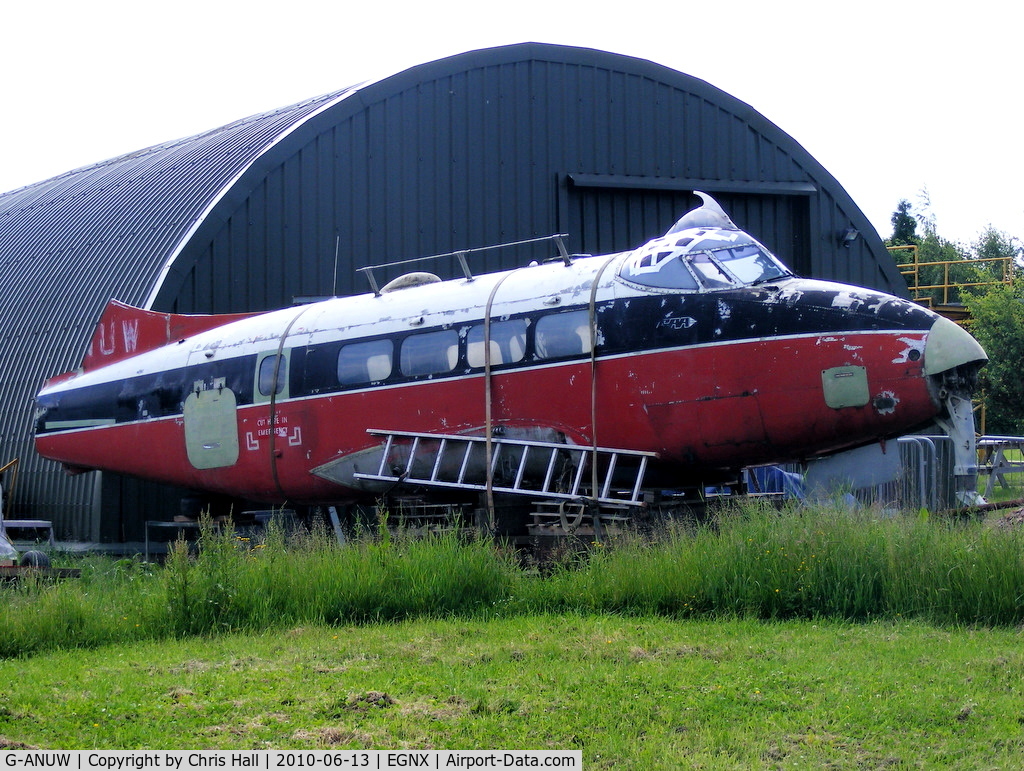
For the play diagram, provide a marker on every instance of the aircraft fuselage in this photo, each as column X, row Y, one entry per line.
column 711, row 377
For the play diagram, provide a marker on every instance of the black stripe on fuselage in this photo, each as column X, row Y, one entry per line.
column 155, row 395
column 624, row 326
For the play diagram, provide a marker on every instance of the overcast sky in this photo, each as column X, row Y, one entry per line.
column 891, row 97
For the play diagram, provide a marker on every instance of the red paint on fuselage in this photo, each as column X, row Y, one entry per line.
column 701, row 408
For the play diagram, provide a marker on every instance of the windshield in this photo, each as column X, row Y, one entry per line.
column 701, row 259
column 749, row 263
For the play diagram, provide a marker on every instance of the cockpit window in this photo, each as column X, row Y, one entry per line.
column 660, row 268
column 712, row 276
column 701, row 259
column 749, row 263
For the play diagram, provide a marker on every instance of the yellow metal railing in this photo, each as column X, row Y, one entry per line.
column 7, row 490
column 922, row 293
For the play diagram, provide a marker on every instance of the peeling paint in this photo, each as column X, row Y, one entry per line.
column 789, row 295
column 885, row 403
column 912, row 352
column 798, row 328
column 847, row 301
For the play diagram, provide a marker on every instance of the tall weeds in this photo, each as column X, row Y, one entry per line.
column 234, row 584
column 753, row 561
column 805, row 563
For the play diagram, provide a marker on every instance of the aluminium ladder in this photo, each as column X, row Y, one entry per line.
column 449, row 461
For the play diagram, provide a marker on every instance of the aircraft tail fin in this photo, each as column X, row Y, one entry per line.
column 124, row 331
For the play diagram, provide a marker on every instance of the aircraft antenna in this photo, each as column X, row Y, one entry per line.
column 337, row 244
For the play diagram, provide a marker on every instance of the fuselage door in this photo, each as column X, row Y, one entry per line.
column 271, row 386
column 211, row 429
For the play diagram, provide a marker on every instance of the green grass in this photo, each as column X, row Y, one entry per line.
column 807, row 564
column 1011, row 487
column 631, row 693
column 752, row 562
column 807, row 638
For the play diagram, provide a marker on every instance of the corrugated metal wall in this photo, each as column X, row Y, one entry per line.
column 490, row 146
column 67, row 246
column 509, row 144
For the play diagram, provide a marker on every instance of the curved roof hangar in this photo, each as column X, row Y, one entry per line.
column 484, row 147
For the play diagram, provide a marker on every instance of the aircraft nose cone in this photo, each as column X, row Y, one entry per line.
column 950, row 346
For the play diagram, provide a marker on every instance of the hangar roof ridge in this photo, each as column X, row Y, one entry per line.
column 70, row 243
column 171, row 144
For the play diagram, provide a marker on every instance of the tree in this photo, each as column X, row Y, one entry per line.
column 925, row 216
column 999, row 247
column 904, row 225
column 952, row 270
column 996, row 305
column 997, row 322
column 948, row 264
column 930, row 249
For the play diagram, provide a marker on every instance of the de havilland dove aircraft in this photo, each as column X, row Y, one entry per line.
column 695, row 355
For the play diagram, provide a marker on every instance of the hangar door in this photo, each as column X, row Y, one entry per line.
column 602, row 219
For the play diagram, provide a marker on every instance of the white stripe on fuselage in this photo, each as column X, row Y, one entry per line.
column 348, row 318
column 456, row 302
column 68, row 427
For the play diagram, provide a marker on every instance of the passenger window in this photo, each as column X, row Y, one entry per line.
column 367, row 362
column 266, row 382
column 508, row 343
column 563, row 334
column 430, row 353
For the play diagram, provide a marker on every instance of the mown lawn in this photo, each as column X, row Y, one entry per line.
column 804, row 638
column 631, row 692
